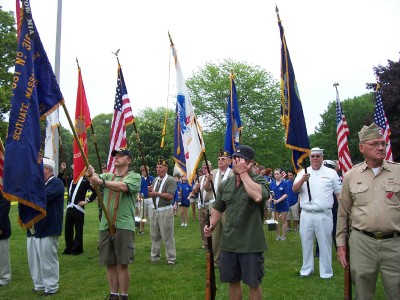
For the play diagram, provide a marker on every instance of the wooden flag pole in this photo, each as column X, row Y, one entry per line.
column 96, row 188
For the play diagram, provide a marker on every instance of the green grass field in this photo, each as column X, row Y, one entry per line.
column 81, row 277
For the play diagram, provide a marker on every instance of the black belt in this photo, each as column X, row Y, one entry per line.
column 379, row 235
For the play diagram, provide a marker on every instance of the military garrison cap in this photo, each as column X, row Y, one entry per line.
column 370, row 132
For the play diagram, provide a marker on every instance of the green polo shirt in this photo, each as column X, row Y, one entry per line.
column 243, row 230
column 125, row 218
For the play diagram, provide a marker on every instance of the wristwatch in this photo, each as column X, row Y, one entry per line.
column 104, row 183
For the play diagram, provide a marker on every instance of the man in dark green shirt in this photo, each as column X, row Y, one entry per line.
column 243, row 242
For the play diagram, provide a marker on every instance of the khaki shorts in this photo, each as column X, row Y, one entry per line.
column 294, row 212
column 117, row 249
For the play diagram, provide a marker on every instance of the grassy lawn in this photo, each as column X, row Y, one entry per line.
column 82, row 278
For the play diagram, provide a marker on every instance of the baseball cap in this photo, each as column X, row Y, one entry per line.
column 122, row 151
column 245, row 152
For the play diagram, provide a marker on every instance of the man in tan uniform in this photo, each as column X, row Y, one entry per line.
column 217, row 176
column 371, row 198
column 205, row 201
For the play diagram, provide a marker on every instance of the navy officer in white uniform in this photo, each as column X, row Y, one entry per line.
column 316, row 215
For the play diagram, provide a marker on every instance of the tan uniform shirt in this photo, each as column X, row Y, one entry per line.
column 373, row 201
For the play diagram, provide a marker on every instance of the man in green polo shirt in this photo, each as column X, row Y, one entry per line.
column 243, row 197
column 117, row 242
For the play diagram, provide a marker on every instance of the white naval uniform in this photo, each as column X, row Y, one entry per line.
column 316, row 218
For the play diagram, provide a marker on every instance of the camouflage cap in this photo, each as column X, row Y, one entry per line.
column 370, row 132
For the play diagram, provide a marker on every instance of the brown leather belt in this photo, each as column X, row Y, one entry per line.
column 379, row 235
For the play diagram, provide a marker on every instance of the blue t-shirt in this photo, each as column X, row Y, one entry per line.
column 292, row 196
column 144, row 186
column 186, row 189
column 279, row 191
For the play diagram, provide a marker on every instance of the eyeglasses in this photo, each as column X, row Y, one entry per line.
column 315, row 156
column 222, row 158
column 376, row 144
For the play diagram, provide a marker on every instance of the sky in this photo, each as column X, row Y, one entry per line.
column 329, row 41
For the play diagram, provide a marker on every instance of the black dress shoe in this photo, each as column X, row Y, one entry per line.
column 66, row 253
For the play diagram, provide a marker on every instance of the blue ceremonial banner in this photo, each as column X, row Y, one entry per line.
column 291, row 108
column 233, row 123
column 179, row 153
column 35, row 94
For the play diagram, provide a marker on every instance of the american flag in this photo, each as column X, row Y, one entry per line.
column 122, row 117
column 382, row 122
column 342, row 130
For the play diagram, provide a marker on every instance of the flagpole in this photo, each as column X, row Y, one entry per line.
column 57, row 73
column 164, row 131
column 96, row 188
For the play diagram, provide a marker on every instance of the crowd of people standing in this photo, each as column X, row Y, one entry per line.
column 234, row 202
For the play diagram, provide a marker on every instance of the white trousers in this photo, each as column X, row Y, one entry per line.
column 320, row 225
column 43, row 263
column 5, row 264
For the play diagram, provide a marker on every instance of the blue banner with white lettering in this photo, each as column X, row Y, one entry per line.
column 36, row 93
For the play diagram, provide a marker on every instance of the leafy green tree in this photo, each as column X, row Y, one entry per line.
column 149, row 124
column 8, row 46
column 259, row 105
column 101, row 127
column 389, row 78
column 65, row 152
column 357, row 111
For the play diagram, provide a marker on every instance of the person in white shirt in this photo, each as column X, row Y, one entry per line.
column 316, row 215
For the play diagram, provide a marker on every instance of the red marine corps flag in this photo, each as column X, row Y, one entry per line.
column 82, row 123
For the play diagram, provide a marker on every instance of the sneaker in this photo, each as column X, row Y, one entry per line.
column 283, row 238
column 171, row 263
column 278, row 238
column 112, row 297
column 141, row 232
column 185, row 225
column 182, row 224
